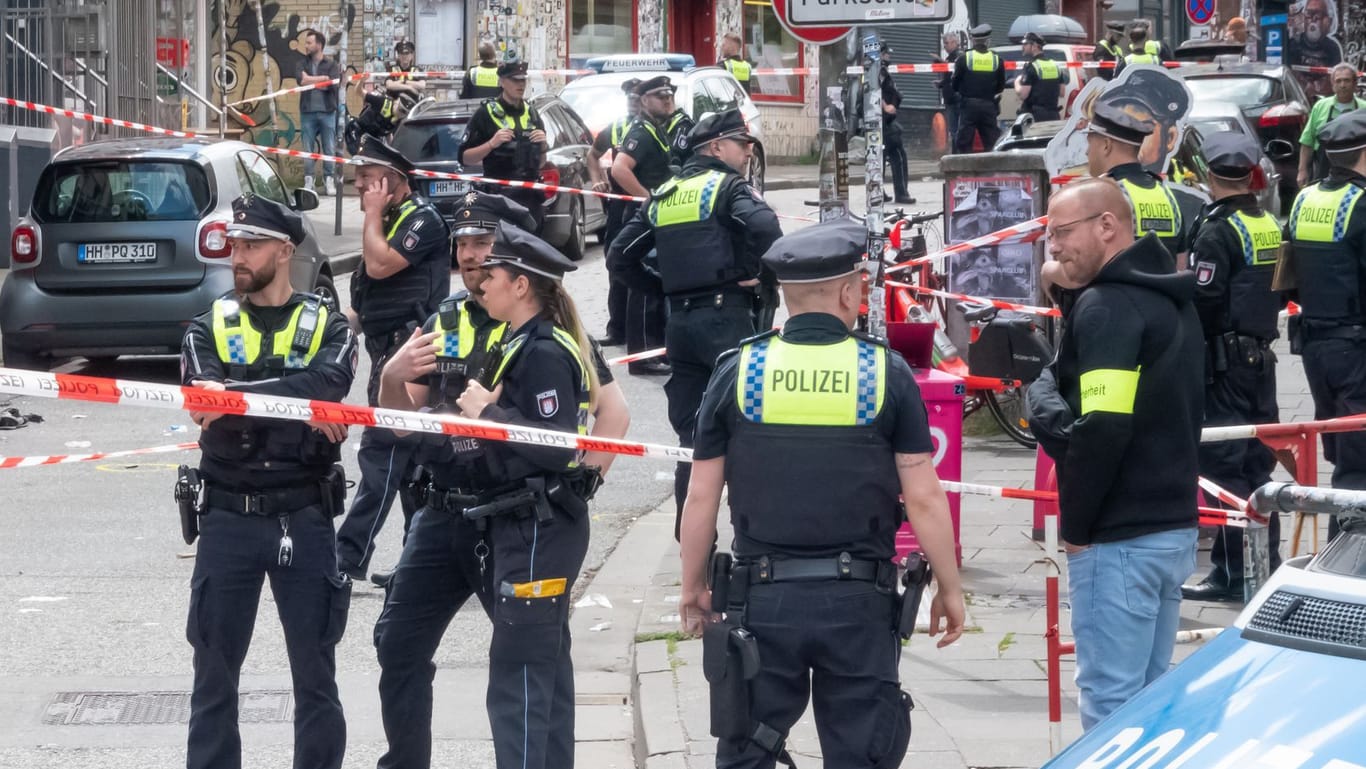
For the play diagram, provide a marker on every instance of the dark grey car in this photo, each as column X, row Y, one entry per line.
column 125, row 242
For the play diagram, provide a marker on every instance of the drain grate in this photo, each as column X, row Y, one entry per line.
column 150, row 708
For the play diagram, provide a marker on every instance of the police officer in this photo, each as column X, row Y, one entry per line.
column 1145, row 51
column 1040, row 85
column 642, row 164
column 1234, row 256
column 737, row 66
column 610, row 140
column 709, row 228
column 1327, row 232
column 979, row 76
column 507, row 135
column 813, row 586
column 531, row 505
column 481, row 80
column 1116, row 130
column 401, row 279
column 1108, row 49
column 401, row 70
column 270, row 489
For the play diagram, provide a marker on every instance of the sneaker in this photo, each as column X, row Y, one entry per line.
column 382, row 578
column 308, row 183
column 330, row 186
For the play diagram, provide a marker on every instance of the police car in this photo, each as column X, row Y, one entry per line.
column 598, row 99
column 1281, row 688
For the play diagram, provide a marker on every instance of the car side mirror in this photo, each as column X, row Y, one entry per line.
column 1280, row 149
column 305, row 200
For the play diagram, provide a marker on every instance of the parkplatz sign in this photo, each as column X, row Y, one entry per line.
column 835, row 13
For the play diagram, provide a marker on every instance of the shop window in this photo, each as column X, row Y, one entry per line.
column 769, row 46
column 600, row 28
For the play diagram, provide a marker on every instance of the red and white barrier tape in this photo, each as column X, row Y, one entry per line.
column 9, row 463
column 123, row 391
column 1222, row 494
column 942, row 67
column 658, row 352
column 1312, row 70
column 1051, row 312
column 1036, row 224
column 62, row 112
column 1209, row 516
column 456, row 74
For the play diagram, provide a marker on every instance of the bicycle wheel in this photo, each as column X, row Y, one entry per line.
column 1008, row 409
column 934, row 241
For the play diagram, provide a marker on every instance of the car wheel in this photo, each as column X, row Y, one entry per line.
column 15, row 358
column 327, row 290
column 577, row 242
column 756, row 171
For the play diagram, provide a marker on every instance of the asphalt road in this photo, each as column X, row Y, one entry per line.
column 96, row 578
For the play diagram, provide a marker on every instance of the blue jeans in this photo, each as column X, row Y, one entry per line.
column 317, row 126
column 1126, row 605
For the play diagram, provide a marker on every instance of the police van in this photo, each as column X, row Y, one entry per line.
column 598, row 99
column 1282, row 687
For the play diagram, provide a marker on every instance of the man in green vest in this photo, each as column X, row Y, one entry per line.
column 507, row 136
column 1327, row 232
column 481, row 80
column 1234, row 255
column 610, row 140
column 1040, row 85
column 1108, row 49
column 979, row 77
column 817, row 431
column 1145, row 51
column 1313, row 163
column 731, row 45
column 709, row 228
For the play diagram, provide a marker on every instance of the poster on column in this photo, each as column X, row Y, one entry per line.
column 1312, row 41
column 981, row 205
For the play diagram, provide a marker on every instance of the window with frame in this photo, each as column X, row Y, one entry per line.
column 600, row 28
column 262, row 177
column 769, row 46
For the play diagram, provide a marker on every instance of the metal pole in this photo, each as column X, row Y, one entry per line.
column 265, row 69
column 872, row 132
column 341, row 61
column 1052, row 634
column 222, row 68
column 70, row 86
column 834, row 131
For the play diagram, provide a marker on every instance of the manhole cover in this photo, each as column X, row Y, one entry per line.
column 141, row 708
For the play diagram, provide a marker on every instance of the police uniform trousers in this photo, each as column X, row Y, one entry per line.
column 696, row 336
column 646, row 315
column 534, row 200
column 894, row 150
column 831, row 642
column 387, row 465
column 1041, row 114
column 618, row 211
column 531, row 675
column 236, row 554
column 437, row 573
column 1336, row 370
column 977, row 116
column 1244, row 394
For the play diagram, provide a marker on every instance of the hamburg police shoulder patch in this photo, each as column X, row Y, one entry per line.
column 548, row 403
column 1204, row 273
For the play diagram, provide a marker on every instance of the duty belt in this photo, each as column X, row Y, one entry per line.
column 1320, row 330
column 275, row 502
column 716, row 299
column 377, row 344
column 841, row 567
column 451, row 500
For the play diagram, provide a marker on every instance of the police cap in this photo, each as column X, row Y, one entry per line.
column 1035, row 38
column 729, row 124
column 256, row 218
column 660, row 83
column 1163, row 93
column 819, row 252
column 1344, row 134
column 1115, row 26
column 375, row 151
column 1231, row 155
column 516, row 248
column 1118, row 121
column 980, row 31
column 513, row 69
column 628, row 87
column 480, row 213
column 404, row 46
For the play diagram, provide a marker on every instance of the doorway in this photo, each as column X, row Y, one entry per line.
column 692, row 29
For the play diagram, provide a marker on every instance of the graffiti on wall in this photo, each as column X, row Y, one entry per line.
column 1312, row 41
column 240, row 71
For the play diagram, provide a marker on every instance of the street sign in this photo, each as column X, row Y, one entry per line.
column 827, row 13
column 812, row 35
column 1199, row 11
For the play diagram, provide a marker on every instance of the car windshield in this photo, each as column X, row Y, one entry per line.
column 598, row 105
column 122, row 191
column 1248, row 91
column 1209, row 126
column 426, row 141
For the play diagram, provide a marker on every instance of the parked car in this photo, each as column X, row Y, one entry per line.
column 1063, row 52
column 431, row 137
column 125, row 242
column 1268, row 94
column 1212, row 117
column 598, row 98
